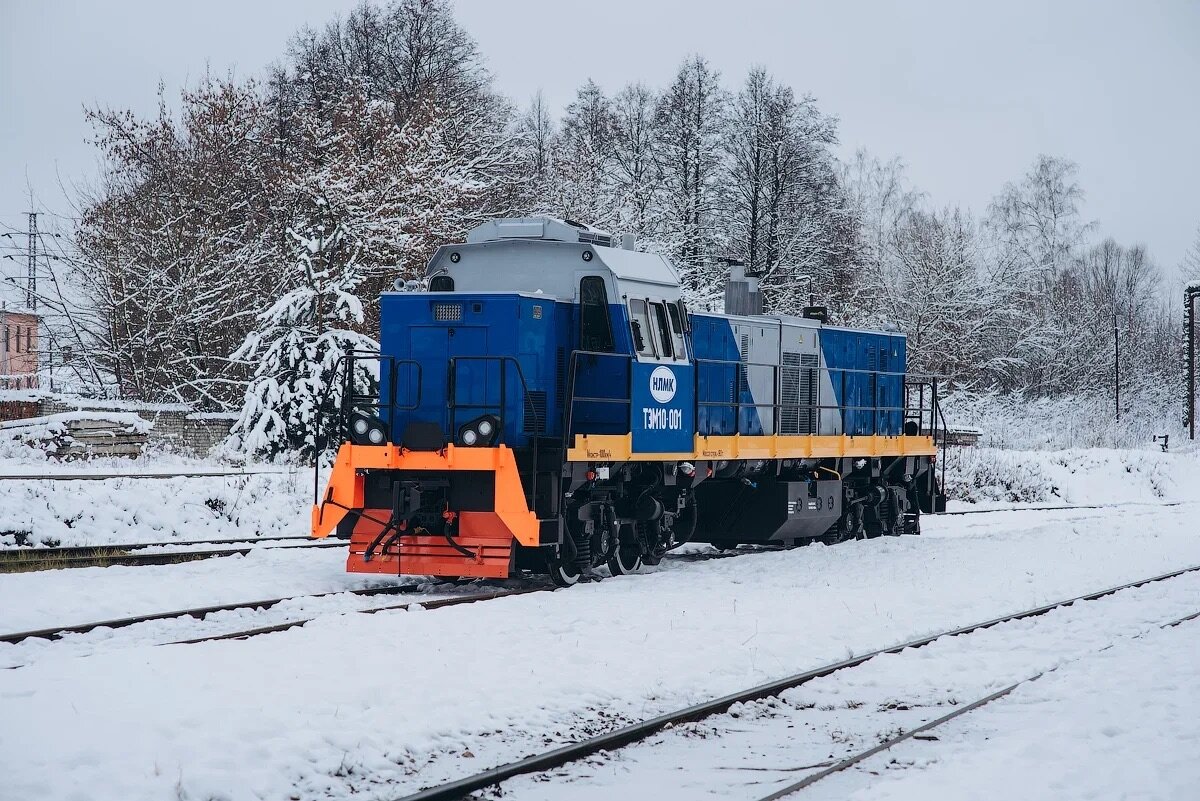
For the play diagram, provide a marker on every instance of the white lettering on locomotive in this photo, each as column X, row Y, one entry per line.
column 662, row 384
column 656, row 419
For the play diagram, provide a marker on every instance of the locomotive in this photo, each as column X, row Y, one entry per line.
column 546, row 403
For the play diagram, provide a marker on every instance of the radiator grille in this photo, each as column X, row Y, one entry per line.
column 535, row 412
column 560, row 386
column 447, row 312
column 798, row 376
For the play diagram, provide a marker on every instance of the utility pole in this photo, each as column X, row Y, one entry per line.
column 31, row 280
column 1189, row 403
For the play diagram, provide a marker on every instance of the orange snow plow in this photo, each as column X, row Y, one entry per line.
column 452, row 512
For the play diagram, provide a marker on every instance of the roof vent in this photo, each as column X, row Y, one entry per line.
column 538, row 228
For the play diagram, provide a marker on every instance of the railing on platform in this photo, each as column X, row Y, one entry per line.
column 918, row 404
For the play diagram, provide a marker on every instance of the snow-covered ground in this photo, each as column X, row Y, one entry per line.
column 80, row 595
column 358, row 706
column 277, row 502
column 989, row 477
column 761, row 747
column 1120, row 723
column 123, row 510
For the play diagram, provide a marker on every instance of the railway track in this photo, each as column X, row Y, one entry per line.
column 923, row 730
column 438, row 603
column 57, row 633
column 633, row 733
column 1059, row 508
column 20, row 560
column 14, row 560
column 199, row 613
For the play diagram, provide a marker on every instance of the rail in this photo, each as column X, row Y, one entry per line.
column 622, row 736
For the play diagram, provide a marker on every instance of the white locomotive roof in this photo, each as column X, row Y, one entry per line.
column 548, row 256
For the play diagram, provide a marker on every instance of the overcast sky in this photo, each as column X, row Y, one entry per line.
column 966, row 94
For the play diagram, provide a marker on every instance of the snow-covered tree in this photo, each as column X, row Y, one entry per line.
column 782, row 199
column 635, row 172
column 298, row 343
column 689, row 119
column 582, row 189
column 1191, row 260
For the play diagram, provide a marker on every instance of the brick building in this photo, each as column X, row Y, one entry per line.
column 19, row 349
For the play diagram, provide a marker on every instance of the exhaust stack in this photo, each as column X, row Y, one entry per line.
column 741, row 292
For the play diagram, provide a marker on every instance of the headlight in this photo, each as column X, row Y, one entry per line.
column 480, row 432
column 367, row 429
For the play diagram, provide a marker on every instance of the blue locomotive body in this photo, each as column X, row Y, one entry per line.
column 621, row 414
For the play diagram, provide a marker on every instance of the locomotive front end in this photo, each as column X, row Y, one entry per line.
column 435, row 471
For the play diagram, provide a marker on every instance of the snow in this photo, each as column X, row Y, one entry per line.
column 82, row 595
column 1122, row 723
column 373, row 706
column 121, row 510
column 987, row 477
column 763, row 746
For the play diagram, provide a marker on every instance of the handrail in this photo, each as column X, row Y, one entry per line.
column 351, row 400
column 570, row 399
column 906, row 410
column 776, row 406
column 503, row 401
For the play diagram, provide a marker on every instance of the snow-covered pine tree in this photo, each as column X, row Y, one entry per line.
column 297, row 346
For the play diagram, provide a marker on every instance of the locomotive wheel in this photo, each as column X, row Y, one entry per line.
column 626, row 560
column 564, row 574
column 650, row 544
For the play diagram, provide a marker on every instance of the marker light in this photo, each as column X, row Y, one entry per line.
column 485, row 427
column 469, row 437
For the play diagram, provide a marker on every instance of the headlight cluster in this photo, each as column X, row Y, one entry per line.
column 481, row 431
column 367, row 429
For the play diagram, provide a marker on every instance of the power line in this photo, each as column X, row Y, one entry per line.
column 31, row 287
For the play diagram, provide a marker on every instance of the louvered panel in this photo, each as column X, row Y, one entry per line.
column 535, row 412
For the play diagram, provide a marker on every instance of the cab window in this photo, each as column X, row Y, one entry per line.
column 639, row 324
column 595, row 325
column 677, row 331
column 662, row 331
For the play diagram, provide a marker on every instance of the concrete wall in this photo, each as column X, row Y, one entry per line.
column 174, row 424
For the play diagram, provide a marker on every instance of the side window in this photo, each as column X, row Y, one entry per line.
column 595, row 324
column 677, row 331
column 639, row 324
column 662, row 331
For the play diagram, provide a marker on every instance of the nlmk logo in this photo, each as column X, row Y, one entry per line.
column 662, row 384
